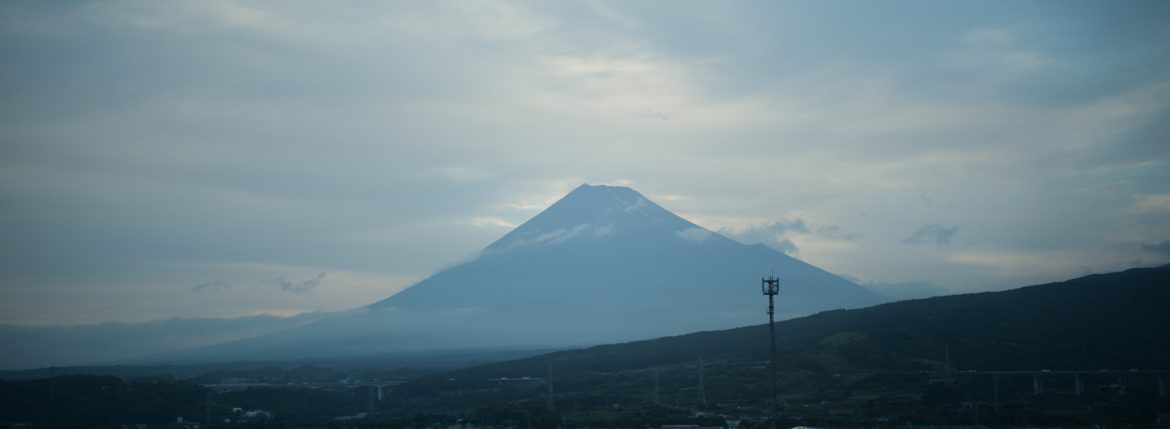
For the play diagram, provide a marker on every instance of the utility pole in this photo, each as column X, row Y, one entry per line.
column 370, row 400
column 552, row 405
column 53, row 386
column 995, row 390
column 947, row 368
column 702, row 389
column 770, row 286
column 656, row 403
column 207, row 409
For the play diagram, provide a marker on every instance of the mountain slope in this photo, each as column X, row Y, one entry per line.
column 603, row 264
column 1115, row 320
column 1112, row 321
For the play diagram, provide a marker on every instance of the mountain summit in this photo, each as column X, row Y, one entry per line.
column 592, row 211
column 603, row 264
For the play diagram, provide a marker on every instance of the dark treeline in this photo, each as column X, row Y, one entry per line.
column 97, row 401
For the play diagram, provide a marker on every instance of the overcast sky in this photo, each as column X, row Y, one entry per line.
column 217, row 159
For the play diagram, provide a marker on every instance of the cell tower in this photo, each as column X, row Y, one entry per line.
column 770, row 286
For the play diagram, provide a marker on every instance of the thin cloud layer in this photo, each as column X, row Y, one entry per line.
column 215, row 286
column 936, row 234
column 1160, row 247
column 298, row 286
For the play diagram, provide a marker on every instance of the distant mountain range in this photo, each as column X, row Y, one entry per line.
column 603, row 264
column 106, row 343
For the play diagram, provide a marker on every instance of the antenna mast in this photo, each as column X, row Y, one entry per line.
column 770, row 286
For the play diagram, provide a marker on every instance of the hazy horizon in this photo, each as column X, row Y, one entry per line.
column 218, row 159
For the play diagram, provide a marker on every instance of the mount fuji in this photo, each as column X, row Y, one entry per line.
column 603, row 264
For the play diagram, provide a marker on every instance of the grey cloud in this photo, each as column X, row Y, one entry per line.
column 797, row 225
column 1163, row 247
column 774, row 235
column 931, row 201
column 784, row 245
column 771, row 235
column 214, row 286
column 834, row 231
column 933, row 233
column 778, row 227
column 303, row 286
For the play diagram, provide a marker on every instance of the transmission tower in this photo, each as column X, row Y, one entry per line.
column 770, row 286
